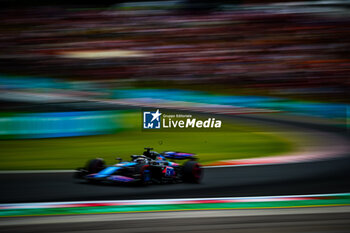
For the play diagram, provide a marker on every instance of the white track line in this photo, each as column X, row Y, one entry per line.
column 164, row 201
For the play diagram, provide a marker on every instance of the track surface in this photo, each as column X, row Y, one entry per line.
column 303, row 178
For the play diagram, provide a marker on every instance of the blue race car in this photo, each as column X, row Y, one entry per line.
column 149, row 168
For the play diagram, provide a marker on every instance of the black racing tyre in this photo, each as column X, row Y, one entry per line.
column 192, row 172
column 95, row 165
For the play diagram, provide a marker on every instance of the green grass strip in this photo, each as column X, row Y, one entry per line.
column 236, row 142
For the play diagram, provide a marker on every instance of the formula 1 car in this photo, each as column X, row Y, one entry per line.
column 149, row 168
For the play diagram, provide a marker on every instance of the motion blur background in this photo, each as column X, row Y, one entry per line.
column 75, row 76
column 79, row 68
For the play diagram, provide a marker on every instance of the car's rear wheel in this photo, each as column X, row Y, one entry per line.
column 192, row 172
column 95, row 165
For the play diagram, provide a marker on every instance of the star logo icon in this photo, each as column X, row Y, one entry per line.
column 151, row 119
column 156, row 115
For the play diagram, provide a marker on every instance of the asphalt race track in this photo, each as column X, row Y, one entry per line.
column 329, row 176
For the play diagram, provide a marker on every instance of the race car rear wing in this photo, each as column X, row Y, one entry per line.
column 178, row 155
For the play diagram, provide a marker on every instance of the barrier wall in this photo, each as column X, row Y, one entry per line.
column 59, row 124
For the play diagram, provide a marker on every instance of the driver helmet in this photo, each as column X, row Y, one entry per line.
column 141, row 160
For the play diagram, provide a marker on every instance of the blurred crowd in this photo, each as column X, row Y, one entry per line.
column 272, row 48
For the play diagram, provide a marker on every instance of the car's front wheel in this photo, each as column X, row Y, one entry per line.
column 95, row 165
